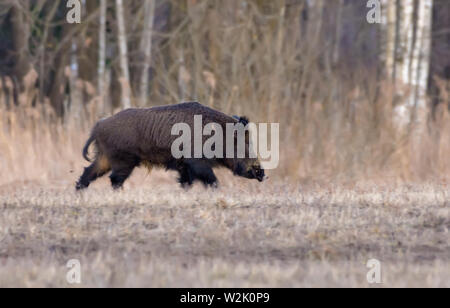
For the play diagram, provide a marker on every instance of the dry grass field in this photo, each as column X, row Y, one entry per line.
column 244, row 234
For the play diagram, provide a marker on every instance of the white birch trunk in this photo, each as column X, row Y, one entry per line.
column 421, row 54
column 404, row 32
column 125, row 79
column 407, row 25
column 389, row 25
column 147, row 49
column 408, row 53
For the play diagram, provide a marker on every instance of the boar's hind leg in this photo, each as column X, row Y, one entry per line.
column 97, row 169
column 121, row 170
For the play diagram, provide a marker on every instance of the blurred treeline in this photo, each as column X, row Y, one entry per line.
column 332, row 80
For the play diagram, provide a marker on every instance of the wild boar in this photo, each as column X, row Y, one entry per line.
column 143, row 137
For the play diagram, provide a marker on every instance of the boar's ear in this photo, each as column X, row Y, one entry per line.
column 243, row 120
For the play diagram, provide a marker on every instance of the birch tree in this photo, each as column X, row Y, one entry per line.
column 146, row 47
column 420, row 60
column 390, row 22
column 123, row 50
column 408, row 43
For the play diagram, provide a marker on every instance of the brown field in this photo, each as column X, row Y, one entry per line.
column 244, row 234
column 339, row 198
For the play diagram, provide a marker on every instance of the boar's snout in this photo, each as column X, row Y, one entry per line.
column 253, row 172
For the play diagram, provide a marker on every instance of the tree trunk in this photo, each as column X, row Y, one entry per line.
column 337, row 42
column 20, row 35
column 405, row 34
column 421, row 53
column 87, row 51
column 390, row 11
column 123, row 50
column 102, row 55
column 43, row 50
column 146, row 47
column 75, row 108
column 407, row 58
column 59, row 81
column 439, row 75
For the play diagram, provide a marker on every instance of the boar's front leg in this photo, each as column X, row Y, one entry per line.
column 186, row 177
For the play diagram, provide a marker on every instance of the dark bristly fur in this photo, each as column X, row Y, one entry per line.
column 136, row 137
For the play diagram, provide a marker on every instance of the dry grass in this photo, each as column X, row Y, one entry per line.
column 244, row 234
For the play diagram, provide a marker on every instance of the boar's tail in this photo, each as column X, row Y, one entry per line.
column 86, row 148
